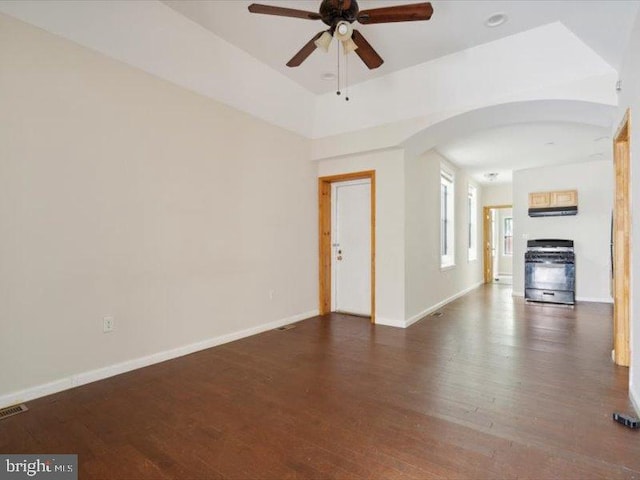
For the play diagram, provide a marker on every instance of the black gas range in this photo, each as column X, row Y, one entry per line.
column 550, row 271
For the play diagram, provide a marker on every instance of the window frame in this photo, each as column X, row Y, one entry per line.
column 447, row 219
column 505, row 236
column 472, row 223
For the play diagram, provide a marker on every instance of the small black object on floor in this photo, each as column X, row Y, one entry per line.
column 626, row 420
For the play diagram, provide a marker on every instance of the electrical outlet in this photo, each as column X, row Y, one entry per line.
column 108, row 324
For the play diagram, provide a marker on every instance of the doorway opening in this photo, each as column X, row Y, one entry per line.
column 498, row 244
column 620, row 244
column 347, row 243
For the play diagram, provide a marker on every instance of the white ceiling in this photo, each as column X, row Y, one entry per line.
column 604, row 26
column 527, row 145
column 547, row 62
column 562, row 60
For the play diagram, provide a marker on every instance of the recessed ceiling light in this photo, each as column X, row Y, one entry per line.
column 328, row 76
column 550, row 144
column 496, row 20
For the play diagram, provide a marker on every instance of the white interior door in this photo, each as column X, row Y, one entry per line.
column 351, row 247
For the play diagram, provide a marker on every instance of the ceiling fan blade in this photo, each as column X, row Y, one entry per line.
column 283, row 12
column 366, row 52
column 400, row 13
column 304, row 52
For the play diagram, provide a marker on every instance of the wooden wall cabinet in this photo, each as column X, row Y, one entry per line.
column 564, row 198
column 560, row 198
column 539, row 200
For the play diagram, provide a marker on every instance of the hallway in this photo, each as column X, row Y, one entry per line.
column 493, row 388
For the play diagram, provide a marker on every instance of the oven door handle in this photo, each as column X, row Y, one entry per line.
column 548, row 262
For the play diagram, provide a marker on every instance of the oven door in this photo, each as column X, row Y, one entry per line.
column 549, row 276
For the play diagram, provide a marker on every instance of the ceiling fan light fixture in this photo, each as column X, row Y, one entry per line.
column 344, row 30
column 324, row 41
column 349, row 46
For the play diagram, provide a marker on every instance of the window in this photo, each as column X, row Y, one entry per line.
column 447, row 258
column 507, row 244
column 472, row 209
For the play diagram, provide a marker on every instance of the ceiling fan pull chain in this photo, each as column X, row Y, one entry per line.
column 338, row 50
column 346, row 77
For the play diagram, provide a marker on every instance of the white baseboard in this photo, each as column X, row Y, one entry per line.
column 595, row 300
column 38, row 391
column 634, row 400
column 83, row 378
column 389, row 322
column 433, row 308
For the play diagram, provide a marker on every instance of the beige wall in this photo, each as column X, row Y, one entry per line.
column 497, row 195
column 427, row 285
column 124, row 195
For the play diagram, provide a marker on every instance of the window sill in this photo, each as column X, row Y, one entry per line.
column 447, row 267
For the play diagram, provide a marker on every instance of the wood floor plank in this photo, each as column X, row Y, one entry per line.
column 494, row 388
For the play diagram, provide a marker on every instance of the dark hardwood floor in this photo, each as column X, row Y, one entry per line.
column 494, row 388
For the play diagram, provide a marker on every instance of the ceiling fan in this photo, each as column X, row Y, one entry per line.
column 339, row 15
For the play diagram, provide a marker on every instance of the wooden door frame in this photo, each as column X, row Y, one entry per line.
column 324, row 236
column 486, row 241
column 621, row 242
